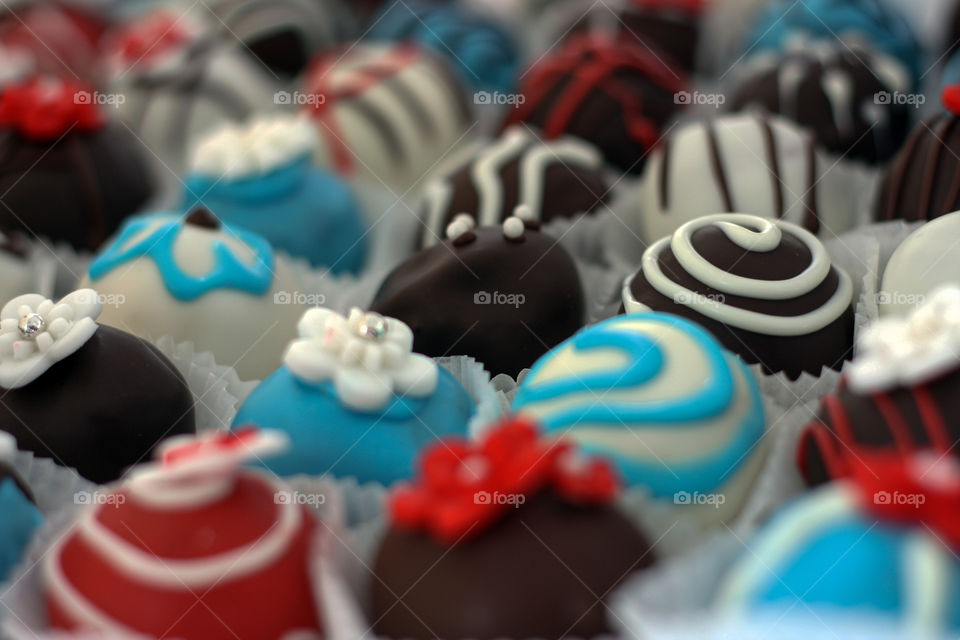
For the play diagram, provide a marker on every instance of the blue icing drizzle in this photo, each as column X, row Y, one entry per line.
column 645, row 359
column 482, row 51
column 298, row 208
column 328, row 437
column 19, row 518
column 881, row 25
column 229, row 271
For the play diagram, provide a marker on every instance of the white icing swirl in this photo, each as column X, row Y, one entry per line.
column 366, row 356
column 751, row 233
column 255, row 148
column 909, row 350
column 36, row 333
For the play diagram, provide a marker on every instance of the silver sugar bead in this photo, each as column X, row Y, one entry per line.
column 373, row 326
column 31, row 325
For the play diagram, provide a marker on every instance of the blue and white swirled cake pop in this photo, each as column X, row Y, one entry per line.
column 260, row 176
column 355, row 400
column 655, row 393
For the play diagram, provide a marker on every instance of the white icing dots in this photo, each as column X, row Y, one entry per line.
column 366, row 366
column 909, row 350
column 36, row 333
column 461, row 224
column 261, row 146
column 513, row 228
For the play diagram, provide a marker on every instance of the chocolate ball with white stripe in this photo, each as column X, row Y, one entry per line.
column 854, row 99
column 558, row 178
column 766, row 289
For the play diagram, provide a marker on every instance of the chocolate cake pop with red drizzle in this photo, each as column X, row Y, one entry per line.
column 66, row 174
column 194, row 547
column 668, row 26
column 616, row 94
column 900, row 394
column 923, row 180
column 511, row 537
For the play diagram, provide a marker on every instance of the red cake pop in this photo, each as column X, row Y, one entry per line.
column 192, row 547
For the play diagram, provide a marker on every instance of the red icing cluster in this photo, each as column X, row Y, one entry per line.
column 465, row 487
column 951, row 99
column 919, row 489
column 150, row 37
column 44, row 109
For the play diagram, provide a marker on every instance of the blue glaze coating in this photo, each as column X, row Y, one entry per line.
column 327, row 437
column 851, row 562
column 481, row 50
column 19, row 518
column 645, row 359
column 873, row 20
column 229, row 271
column 299, row 208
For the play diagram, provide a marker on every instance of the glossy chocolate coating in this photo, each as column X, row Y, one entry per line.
column 445, row 294
column 830, row 346
column 537, row 573
column 77, row 189
column 102, row 409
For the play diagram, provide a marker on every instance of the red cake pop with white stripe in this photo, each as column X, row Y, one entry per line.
column 195, row 546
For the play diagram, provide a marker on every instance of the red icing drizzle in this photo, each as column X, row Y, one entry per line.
column 465, row 487
column 151, row 37
column 951, row 99
column 229, row 441
column 44, row 109
column 591, row 62
column 320, row 83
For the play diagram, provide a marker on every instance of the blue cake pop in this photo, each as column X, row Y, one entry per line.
column 19, row 517
column 355, row 401
column 482, row 50
column 260, row 176
column 859, row 549
column 871, row 21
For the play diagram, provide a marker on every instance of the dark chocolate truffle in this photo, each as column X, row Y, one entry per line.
column 766, row 289
column 616, row 94
column 851, row 97
column 900, row 395
column 70, row 176
column 523, row 558
column 504, row 295
column 671, row 27
column 88, row 396
column 552, row 179
column 923, row 181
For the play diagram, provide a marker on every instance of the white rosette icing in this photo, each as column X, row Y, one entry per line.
column 909, row 350
column 258, row 147
column 366, row 356
column 36, row 333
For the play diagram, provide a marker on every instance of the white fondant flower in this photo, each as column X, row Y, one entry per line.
column 909, row 350
column 366, row 356
column 237, row 151
column 36, row 333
